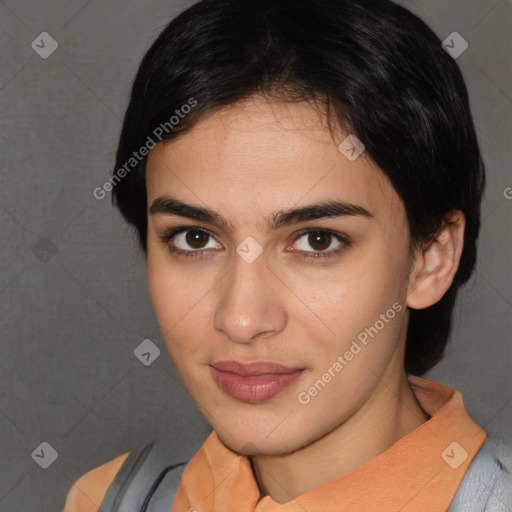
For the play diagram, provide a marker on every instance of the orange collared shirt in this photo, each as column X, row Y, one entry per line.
column 420, row 472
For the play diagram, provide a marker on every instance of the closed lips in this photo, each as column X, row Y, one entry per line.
column 253, row 369
column 253, row 382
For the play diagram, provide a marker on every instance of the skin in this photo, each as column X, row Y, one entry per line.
column 248, row 162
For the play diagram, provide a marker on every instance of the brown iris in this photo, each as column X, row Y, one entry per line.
column 319, row 240
column 196, row 239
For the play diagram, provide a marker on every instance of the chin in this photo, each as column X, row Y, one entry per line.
column 253, row 443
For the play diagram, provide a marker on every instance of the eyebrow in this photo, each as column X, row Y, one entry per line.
column 327, row 209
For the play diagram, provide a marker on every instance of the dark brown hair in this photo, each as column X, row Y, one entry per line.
column 379, row 70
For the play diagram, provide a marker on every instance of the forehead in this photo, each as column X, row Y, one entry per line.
column 258, row 153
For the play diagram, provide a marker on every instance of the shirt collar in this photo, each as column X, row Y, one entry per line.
column 421, row 471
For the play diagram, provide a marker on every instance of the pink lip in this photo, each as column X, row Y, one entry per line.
column 253, row 382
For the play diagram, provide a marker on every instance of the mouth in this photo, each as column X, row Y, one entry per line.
column 253, row 382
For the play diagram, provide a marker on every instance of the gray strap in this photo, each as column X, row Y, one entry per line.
column 487, row 485
column 147, row 470
column 163, row 497
column 125, row 475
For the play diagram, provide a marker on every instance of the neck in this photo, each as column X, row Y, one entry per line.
column 389, row 414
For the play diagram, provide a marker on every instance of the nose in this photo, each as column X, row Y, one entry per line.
column 249, row 306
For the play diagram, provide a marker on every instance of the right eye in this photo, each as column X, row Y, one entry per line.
column 188, row 241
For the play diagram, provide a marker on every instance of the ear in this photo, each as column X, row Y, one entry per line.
column 435, row 265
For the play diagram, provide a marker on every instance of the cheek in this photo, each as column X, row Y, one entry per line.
column 180, row 300
column 349, row 304
column 162, row 292
column 351, row 293
column 166, row 287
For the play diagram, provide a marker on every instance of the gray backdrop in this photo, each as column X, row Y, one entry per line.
column 73, row 298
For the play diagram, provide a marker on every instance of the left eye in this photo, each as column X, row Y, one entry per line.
column 320, row 241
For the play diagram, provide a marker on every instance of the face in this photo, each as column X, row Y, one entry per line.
column 280, row 324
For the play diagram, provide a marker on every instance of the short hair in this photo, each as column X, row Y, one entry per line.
column 380, row 72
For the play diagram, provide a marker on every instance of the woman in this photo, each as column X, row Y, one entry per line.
column 305, row 181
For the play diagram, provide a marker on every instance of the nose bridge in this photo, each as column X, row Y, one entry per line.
column 247, row 306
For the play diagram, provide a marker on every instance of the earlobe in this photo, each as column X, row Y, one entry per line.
column 435, row 266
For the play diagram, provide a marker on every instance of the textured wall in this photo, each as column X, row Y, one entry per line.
column 73, row 297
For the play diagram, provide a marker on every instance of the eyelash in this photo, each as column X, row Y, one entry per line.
column 309, row 255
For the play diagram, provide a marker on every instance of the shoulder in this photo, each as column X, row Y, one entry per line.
column 487, row 485
column 496, row 456
column 89, row 490
column 499, row 456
